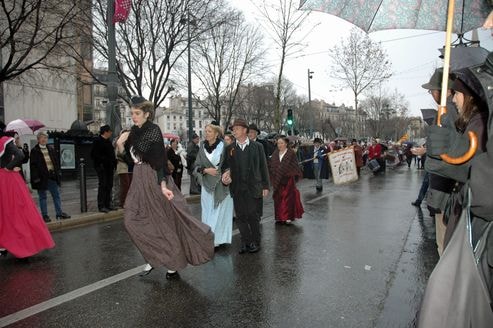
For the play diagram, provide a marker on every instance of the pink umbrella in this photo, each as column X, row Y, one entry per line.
column 24, row 126
column 170, row 136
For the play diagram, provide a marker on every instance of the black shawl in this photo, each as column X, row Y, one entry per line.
column 148, row 145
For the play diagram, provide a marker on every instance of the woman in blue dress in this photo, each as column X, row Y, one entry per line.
column 216, row 201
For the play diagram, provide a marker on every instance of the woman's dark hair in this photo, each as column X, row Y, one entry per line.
column 283, row 137
column 173, row 140
column 469, row 109
column 144, row 105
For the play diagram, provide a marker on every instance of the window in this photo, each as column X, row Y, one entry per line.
column 200, row 124
column 174, row 126
column 168, row 126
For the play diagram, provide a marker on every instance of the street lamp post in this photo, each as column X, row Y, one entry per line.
column 312, row 124
column 112, row 117
column 190, row 109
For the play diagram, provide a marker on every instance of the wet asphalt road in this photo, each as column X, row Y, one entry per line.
column 360, row 257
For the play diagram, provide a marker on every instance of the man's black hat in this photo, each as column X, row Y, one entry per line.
column 253, row 126
column 104, row 128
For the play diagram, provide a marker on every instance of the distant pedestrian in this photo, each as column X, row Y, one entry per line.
column 25, row 151
column 284, row 173
column 192, row 151
column 46, row 176
column 103, row 156
column 156, row 216
column 319, row 157
column 375, row 154
column 358, row 155
column 228, row 138
column 269, row 147
column 245, row 168
column 409, row 155
column 175, row 159
column 123, row 167
column 22, row 230
column 216, row 201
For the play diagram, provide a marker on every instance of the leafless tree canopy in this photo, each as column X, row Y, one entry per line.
column 31, row 33
column 359, row 63
column 150, row 42
column 284, row 21
column 386, row 114
column 228, row 55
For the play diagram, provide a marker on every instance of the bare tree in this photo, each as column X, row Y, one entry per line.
column 31, row 32
column 284, row 21
column 227, row 56
column 360, row 64
column 256, row 105
column 387, row 114
column 151, row 41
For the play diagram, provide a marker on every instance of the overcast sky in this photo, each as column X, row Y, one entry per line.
column 413, row 53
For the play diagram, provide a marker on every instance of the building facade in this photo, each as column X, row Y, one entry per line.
column 100, row 102
column 174, row 119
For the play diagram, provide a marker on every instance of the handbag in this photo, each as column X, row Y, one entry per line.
column 456, row 295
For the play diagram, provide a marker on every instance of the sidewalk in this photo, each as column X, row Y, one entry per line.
column 70, row 196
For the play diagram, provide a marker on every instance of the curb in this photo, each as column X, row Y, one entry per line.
column 89, row 218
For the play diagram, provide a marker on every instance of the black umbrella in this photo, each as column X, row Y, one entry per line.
column 429, row 115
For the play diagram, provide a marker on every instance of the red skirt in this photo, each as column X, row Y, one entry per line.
column 22, row 229
column 287, row 202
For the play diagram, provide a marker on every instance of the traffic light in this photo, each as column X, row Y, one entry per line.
column 290, row 119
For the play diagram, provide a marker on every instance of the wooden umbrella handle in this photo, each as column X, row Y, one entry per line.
column 473, row 146
column 473, row 143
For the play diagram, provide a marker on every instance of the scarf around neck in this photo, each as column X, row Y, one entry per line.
column 210, row 148
column 147, row 143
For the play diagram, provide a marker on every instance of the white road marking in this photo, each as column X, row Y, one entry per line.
column 51, row 303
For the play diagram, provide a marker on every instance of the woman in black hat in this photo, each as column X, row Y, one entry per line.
column 156, row 215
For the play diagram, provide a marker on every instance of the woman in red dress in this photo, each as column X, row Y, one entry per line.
column 284, row 172
column 23, row 232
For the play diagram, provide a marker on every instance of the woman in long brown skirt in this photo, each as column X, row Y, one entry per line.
column 156, row 215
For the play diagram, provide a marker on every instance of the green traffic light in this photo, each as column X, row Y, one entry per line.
column 290, row 122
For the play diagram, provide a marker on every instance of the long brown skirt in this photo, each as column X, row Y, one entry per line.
column 165, row 232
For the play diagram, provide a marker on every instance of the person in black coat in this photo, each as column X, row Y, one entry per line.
column 46, row 176
column 245, row 168
column 175, row 159
column 104, row 159
column 192, row 152
column 269, row 147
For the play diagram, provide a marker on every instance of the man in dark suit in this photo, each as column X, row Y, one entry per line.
column 104, row 159
column 269, row 147
column 46, row 176
column 245, row 168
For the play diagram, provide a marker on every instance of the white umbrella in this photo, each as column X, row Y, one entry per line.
column 24, row 126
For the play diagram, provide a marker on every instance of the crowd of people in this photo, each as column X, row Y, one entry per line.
column 234, row 171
